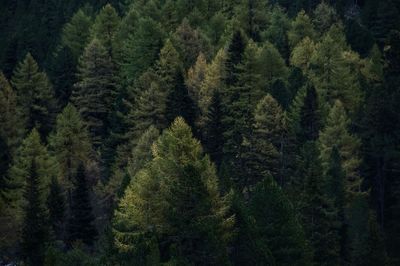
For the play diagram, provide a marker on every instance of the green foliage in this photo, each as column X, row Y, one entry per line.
column 301, row 27
column 141, row 49
column 76, row 33
column 10, row 118
column 35, row 95
column 69, row 143
column 336, row 134
column 277, row 226
column 56, row 206
column 81, row 225
column 34, row 226
column 105, row 28
column 95, row 91
column 179, row 188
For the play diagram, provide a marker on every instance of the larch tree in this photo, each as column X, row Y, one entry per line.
column 301, row 27
column 76, row 33
column 336, row 133
column 105, row 28
column 70, row 145
column 35, row 95
column 95, row 91
column 175, row 198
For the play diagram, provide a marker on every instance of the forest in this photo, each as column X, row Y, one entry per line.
column 200, row 132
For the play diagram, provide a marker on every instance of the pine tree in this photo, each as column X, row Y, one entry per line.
column 175, row 198
column 336, row 134
column 95, row 91
column 76, row 33
column 252, row 16
column 69, row 143
column 277, row 226
column 35, row 95
column 81, row 221
column 34, row 227
column 56, row 207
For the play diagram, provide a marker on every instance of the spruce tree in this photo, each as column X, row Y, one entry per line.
column 318, row 213
column 95, row 91
column 35, row 95
column 234, row 57
column 214, row 138
column 56, row 207
column 34, row 227
column 81, row 221
column 310, row 117
column 175, row 198
column 277, row 226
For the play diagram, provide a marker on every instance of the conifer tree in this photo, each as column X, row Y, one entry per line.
column 180, row 192
column 69, row 144
column 140, row 49
column 319, row 215
column 76, row 33
column 10, row 118
column 234, row 57
column 56, row 207
column 214, row 138
column 149, row 109
column 95, row 91
column 264, row 150
column 179, row 103
column 81, row 221
column 105, row 28
column 189, row 43
column 277, row 226
column 30, row 150
column 34, row 227
column 335, row 190
column 310, row 118
column 336, row 134
column 35, row 95
column 301, row 27
column 324, row 17
column 272, row 65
